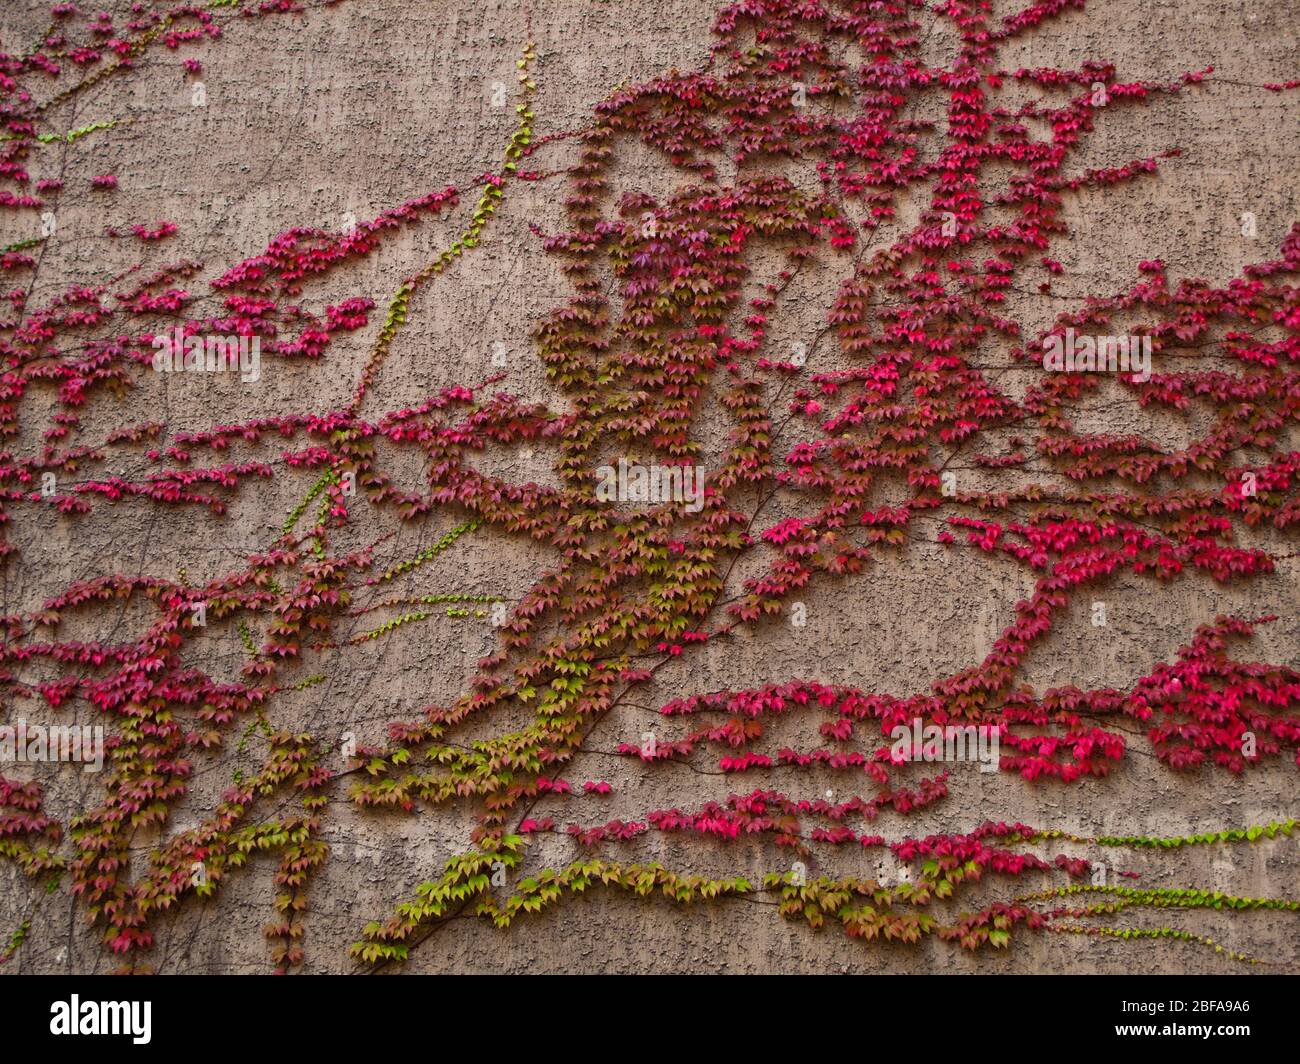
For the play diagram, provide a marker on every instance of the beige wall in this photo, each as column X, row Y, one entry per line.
column 360, row 106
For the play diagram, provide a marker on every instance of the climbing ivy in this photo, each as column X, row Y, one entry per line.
column 904, row 431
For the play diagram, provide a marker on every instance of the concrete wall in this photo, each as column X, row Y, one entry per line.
column 356, row 107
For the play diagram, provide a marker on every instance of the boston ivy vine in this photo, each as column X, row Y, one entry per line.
column 907, row 388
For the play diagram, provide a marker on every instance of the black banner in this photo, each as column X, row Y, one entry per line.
column 150, row 1014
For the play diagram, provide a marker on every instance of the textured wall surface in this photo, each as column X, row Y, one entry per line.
column 349, row 109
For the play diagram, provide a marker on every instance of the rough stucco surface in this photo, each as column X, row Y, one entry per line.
column 302, row 126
